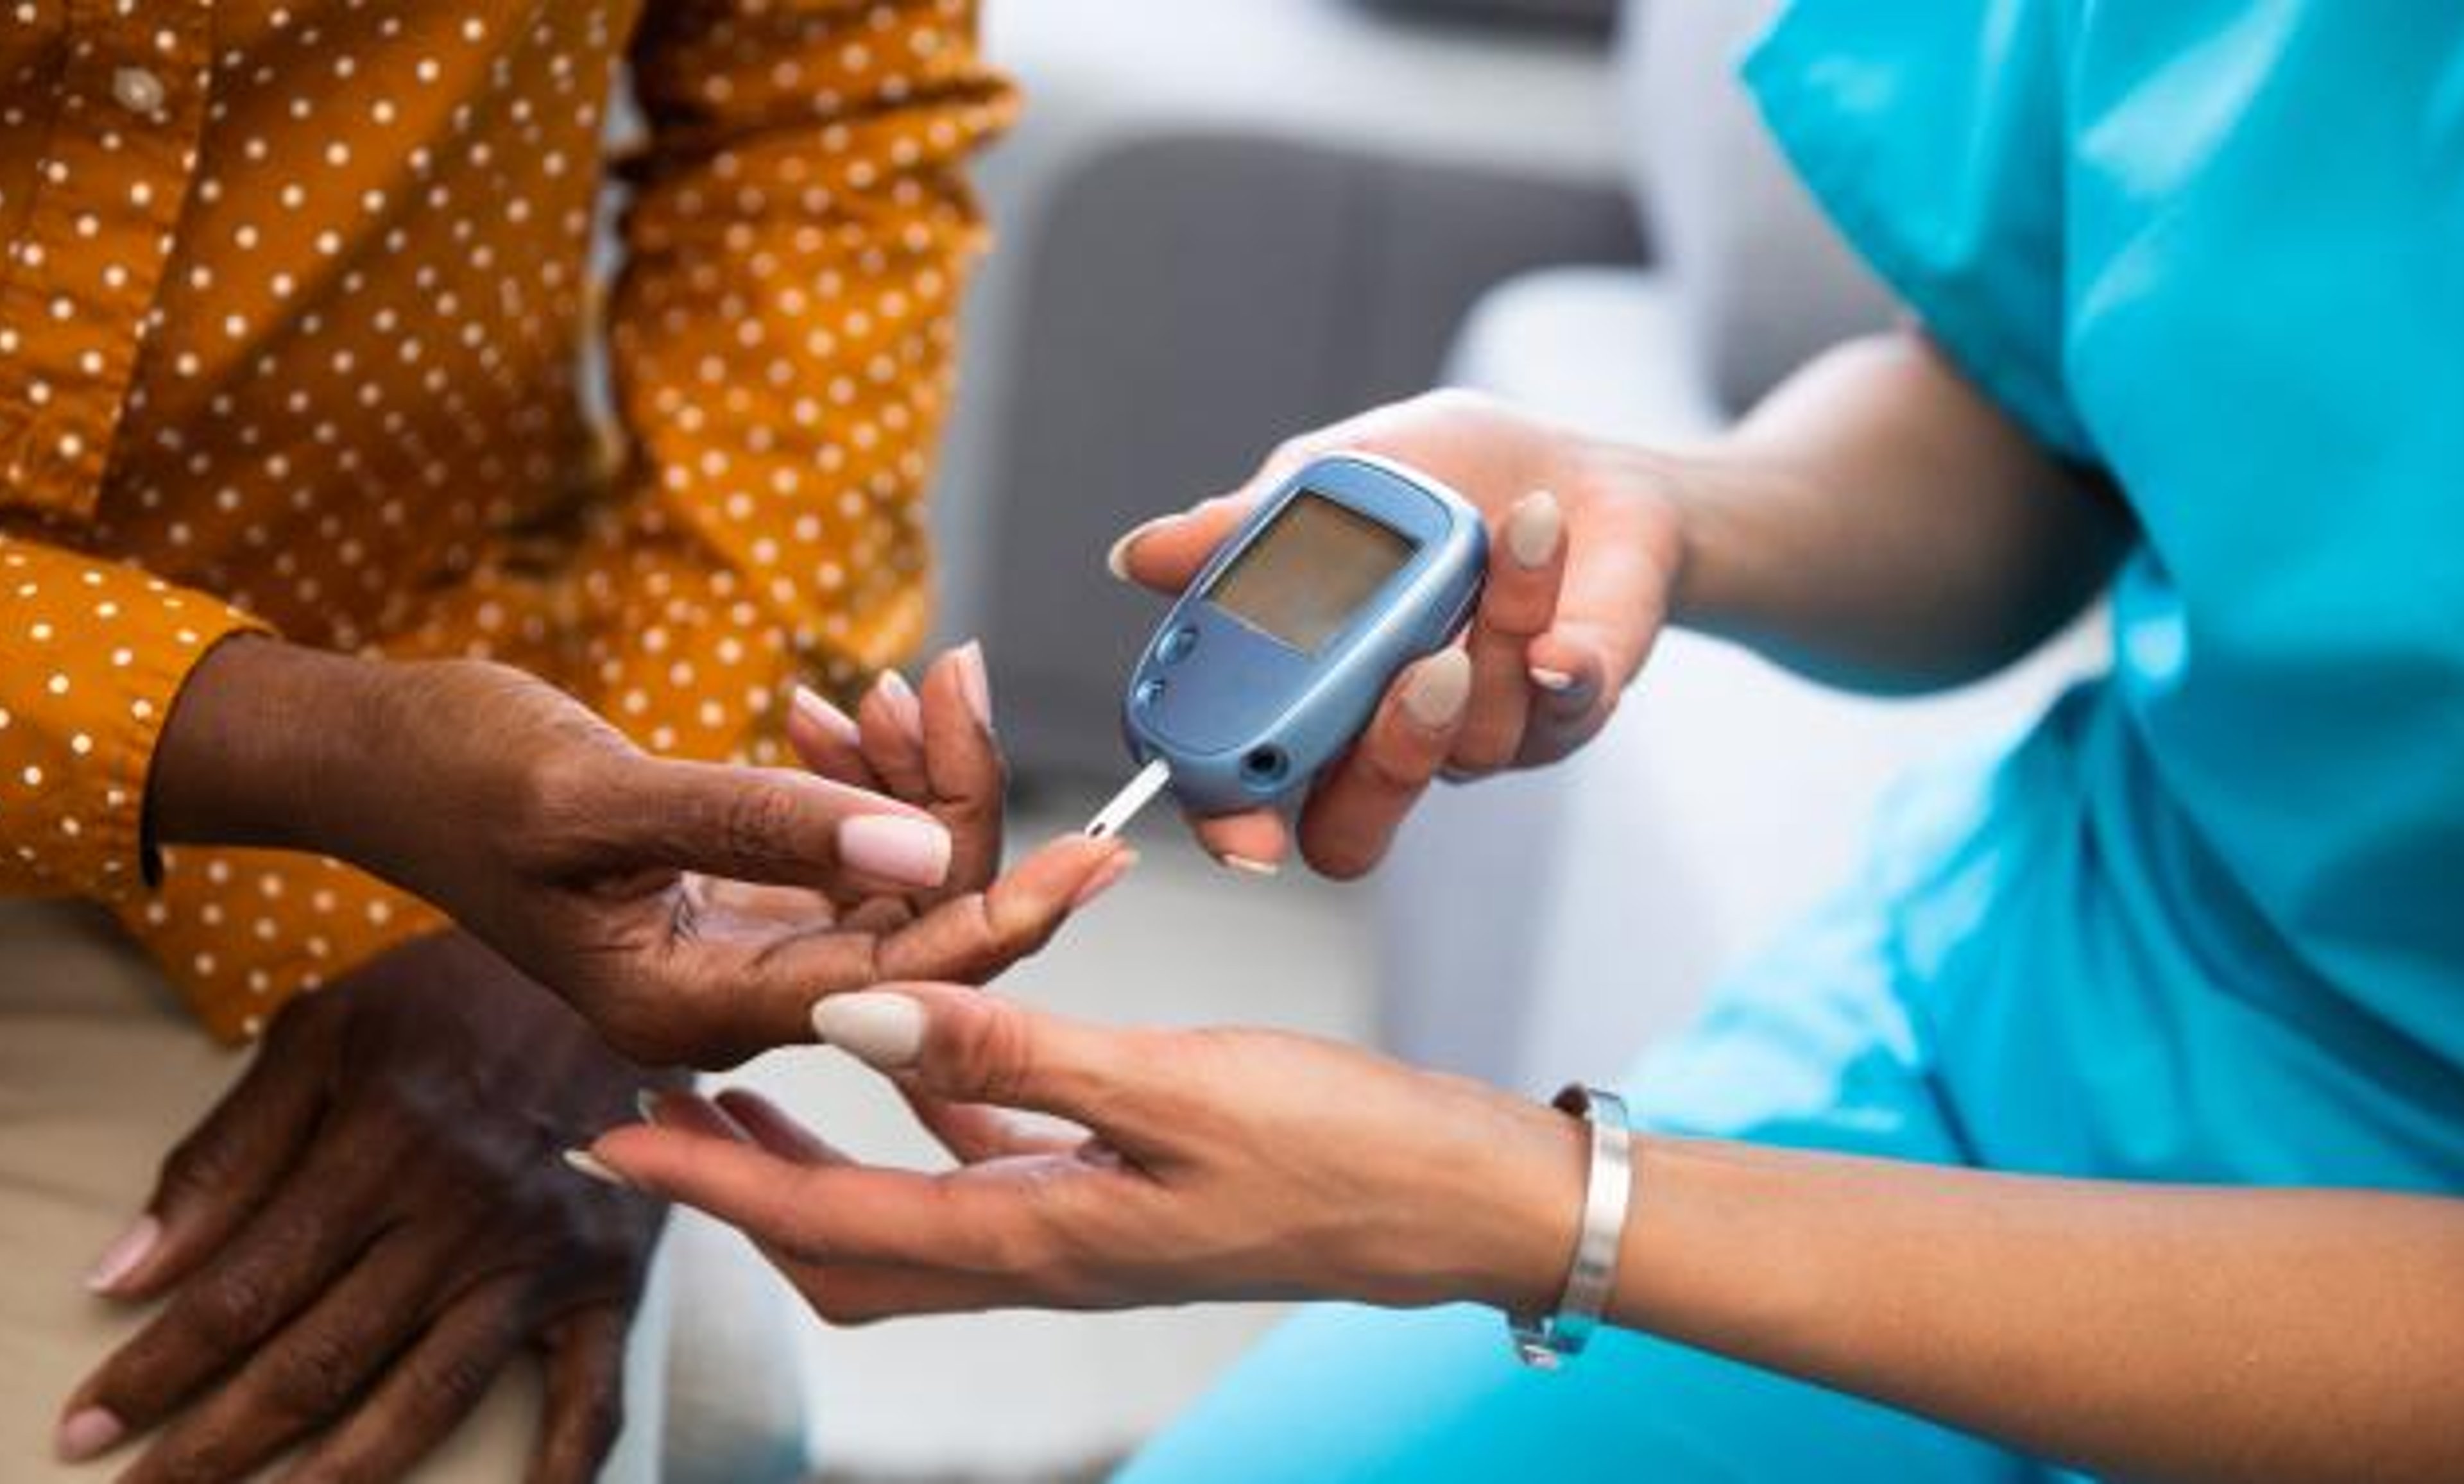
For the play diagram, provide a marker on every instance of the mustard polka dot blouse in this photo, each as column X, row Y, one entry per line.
column 298, row 326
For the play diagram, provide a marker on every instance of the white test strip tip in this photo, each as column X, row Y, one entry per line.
column 1136, row 795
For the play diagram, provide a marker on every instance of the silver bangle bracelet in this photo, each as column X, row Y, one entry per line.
column 1546, row 1342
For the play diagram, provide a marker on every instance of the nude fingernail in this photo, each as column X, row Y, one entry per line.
column 823, row 712
column 1116, row 560
column 974, row 684
column 1533, row 529
column 1436, row 694
column 896, row 847
column 902, row 702
column 86, row 1432
column 582, row 1162
column 1248, row 865
column 1551, row 679
column 883, row 1031
column 1106, row 875
column 122, row 1257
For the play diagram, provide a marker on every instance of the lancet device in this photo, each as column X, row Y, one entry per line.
column 1274, row 659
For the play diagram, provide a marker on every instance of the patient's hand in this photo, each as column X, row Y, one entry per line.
column 931, row 747
column 371, row 1225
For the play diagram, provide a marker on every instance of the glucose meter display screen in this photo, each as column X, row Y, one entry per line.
column 1310, row 571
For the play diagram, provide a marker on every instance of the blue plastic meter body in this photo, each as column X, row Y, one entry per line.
column 1274, row 659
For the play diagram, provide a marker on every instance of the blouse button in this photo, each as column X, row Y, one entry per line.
column 137, row 89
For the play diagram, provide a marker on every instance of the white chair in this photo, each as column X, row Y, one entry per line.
column 1547, row 926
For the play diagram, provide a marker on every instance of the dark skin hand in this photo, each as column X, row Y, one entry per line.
column 590, row 865
column 373, row 1224
column 435, row 1154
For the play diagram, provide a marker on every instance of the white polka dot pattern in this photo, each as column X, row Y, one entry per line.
column 291, row 333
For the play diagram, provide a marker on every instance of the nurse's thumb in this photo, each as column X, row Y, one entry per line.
column 966, row 1046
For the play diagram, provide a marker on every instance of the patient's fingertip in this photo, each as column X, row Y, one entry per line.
column 1116, row 559
column 813, row 709
column 592, row 1166
column 1107, row 874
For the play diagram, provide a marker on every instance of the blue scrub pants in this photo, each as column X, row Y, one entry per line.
column 1809, row 1049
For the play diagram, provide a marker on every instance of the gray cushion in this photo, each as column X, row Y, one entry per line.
column 1585, row 14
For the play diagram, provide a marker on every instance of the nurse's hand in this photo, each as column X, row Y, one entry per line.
column 1206, row 1164
column 1583, row 562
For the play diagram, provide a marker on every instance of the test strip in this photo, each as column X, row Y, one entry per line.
column 1134, row 795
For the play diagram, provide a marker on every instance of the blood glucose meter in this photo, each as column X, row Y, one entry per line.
column 1275, row 658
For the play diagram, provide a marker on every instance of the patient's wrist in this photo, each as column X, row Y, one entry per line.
column 260, row 748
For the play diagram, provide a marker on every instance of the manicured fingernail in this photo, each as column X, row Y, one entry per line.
column 1106, row 875
column 883, row 1031
column 85, row 1432
column 645, row 1102
column 1116, row 561
column 1439, row 688
column 822, row 712
column 1248, row 865
column 582, row 1162
column 1551, row 679
column 120, row 1259
column 1533, row 529
column 974, row 684
column 903, row 704
column 896, row 847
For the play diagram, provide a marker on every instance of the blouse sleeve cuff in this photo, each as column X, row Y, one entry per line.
column 93, row 656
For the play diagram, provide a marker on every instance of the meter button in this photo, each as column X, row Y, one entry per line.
column 1176, row 644
column 1149, row 692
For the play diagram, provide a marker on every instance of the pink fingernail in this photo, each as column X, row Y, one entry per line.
column 1116, row 560
column 86, row 1432
column 896, row 847
column 1106, row 875
column 1248, row 865
column 1551, row 679
column 582, row 1162
column 819, row 710
column 122, row 1257
column 974, row 684
column 903, row 704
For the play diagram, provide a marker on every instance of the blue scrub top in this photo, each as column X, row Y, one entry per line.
column 2208, row 921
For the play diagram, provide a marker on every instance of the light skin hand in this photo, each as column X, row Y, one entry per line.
column 370, row 1228
column 592, row 866
column 1876, row 523
column 1215, row 1164
column 1583, row 559
column 2133, row 1329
